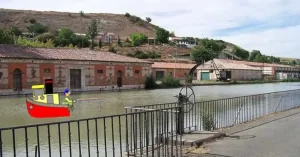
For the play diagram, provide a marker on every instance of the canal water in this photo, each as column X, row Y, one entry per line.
column 13, row 110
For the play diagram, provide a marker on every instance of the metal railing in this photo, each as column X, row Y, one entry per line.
column 146, row 133
column 222, row 113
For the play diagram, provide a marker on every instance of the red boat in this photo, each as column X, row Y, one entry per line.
column 41, row 110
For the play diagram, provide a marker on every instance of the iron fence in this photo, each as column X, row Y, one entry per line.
column 146, row 133
column 222, row 113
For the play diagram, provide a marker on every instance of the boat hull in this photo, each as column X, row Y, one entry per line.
column 36, row 110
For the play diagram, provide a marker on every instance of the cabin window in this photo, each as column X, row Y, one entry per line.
column 100, row 71
column 136, row 71
column 47, row 71
column 38, row 92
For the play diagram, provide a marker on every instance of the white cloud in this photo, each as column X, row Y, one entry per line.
column 202, row 17
column 282, row 42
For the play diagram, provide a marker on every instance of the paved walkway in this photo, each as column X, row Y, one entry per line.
column 273, row 136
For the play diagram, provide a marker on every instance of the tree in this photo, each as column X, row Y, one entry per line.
column 127, row 14
column 138, row 39
column 99, row 43
column 241, row 53
column 81, row 13
column 172, row 34
column 211, row 44
column 6, row 36
column 65, row 37
column 148, row 19
column 119, row 41
column 162, row 35
column 92, row 31
column 45, row 37
column 81, row 41
column 16, row 31
column 253, row 54
column 37, row 29
column 201, row 54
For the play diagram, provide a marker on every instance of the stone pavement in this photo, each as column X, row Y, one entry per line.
column 275, row 135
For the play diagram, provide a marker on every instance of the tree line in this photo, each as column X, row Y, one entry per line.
column 208, row 49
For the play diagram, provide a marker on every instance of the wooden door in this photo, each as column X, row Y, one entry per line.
column 75, row 78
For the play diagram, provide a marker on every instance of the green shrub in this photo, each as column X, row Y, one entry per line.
column 24, row 42
column 208, row 122
column 169, row 81
column 127, row 14
column 138, row 39
column 189, row 79
column 45, row 37
column 150, row 82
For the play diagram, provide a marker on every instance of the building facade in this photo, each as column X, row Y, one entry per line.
column 79, row 70
column 233, row 71
column 107, row 37
column 177, row 70
column 278, row 71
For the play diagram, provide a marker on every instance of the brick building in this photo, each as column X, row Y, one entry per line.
column 78, row 69
column 177, row 70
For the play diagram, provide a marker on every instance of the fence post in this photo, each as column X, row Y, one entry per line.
column 180, row 119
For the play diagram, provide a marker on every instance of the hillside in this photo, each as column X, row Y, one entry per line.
column 115, row 23
column 123, row 25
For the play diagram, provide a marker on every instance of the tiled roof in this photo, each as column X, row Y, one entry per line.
column 14, row 51
column 166, row 65
column 262, row 64
column 227, row 64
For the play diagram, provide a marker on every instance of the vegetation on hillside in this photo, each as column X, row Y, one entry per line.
column 39, row 33
column 208, row 49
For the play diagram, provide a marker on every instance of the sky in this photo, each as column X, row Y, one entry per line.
column 271, row 26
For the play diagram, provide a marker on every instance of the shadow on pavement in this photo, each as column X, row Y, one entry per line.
column 242, row 137
column 209, row 155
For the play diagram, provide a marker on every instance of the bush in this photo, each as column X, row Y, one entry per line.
column 143, row 55
column 24, row 42
column 140, row 23
column 45, row 37
column 112, row 49
column 208, row 122
column 169, row 81
column 138, row 39
column 291, row 80
column 100, row 43
column 150, row 82
column 32, row 21
column 81, row 13
column 125, row 44
column 189, row 79
column 269, row 78
column 6, row 36
column 127, row 14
